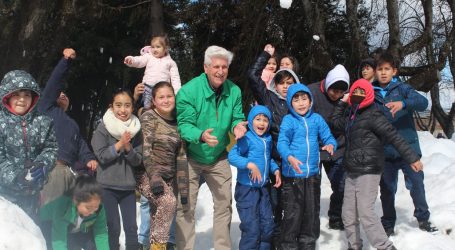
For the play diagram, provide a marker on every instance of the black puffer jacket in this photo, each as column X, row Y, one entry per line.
column 366, row 134
column 268, row 97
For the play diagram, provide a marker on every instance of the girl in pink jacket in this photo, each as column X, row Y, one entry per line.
column 158, row 64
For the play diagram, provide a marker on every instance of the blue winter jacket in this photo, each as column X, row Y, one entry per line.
column 299, row 137
column 256, row 149
column 403, row 121
column 71, row 146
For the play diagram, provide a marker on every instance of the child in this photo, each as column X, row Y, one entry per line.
column 164, row 155
column 158, row 64
column 274, row 98
column 269, row 71
column 398, row 101
column 298, row 145
column 251, row 156
column 366, row 128
column 71, row 145
column 367, row 69
column 289, row 62
column 326, row 95
column 28, row 147
column 78, row 219
column 117, row 143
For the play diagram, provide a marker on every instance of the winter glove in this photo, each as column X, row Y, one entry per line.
column 157, row 190
column 35, row 174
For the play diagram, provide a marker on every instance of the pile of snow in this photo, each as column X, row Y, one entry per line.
column 17, row 230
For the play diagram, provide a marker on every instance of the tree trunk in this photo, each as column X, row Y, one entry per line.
column 156, row 18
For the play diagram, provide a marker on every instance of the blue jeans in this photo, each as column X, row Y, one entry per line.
column 336, row 174
column 256, row 217
column 144, row 228
column 414, row 183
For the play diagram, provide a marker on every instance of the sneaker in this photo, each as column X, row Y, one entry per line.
column 389, row 231
column 336, row 225
column 427, row 226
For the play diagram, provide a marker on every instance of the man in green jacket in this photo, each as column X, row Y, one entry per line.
column 208, row 108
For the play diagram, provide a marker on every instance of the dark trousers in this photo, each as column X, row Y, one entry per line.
column 256, row 218
column 78, row 241
column 301, row 204
column 336, row 174
column 414, row 183
column 126, row 199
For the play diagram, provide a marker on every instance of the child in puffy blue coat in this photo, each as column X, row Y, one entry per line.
column 252, row 157
column 298, row 145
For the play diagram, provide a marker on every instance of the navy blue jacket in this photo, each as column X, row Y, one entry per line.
column 300, row 135
column 256, row 149
column 71, row 145
column 403, row 120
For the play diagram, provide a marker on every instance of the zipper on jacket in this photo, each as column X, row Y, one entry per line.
column 308, row 149
column 265, row 160
column 24, row 132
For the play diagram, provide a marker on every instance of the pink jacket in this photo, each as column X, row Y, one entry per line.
column 158, row 69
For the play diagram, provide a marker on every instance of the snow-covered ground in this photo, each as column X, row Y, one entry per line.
column 17, row 231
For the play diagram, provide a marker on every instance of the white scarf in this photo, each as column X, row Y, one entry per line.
column 117, row 127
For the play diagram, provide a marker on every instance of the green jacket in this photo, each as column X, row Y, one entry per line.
column 62, row 213
column 198, row 110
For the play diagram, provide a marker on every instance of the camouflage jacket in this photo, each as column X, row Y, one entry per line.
column 23, row 139
column 164, row 151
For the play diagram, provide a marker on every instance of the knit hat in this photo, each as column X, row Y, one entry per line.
column 369, row 93
column 336, row 75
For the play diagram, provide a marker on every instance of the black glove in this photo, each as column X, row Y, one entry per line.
column 158, row 189
column 184, row 200
column 325, row 156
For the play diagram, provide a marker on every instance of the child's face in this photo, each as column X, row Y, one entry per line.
column 164, row 100
column 301, row 103
column 122, row 107
column 384, row 73
column 87, row 208
column 286, row 63
column 368, row 73
column 260, row 124
column 271, row 64
column 282, row 86
column 335, row 94
column 358, row 95
column 158, row 50
column 20, row 101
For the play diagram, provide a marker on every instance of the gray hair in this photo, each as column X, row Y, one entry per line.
column 218, row 52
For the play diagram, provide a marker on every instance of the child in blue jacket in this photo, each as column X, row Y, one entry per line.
column 252, row 156
column 298, row 145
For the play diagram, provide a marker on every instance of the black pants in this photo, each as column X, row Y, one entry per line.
column 301, row 204
column 126, row 199
column 336, row 174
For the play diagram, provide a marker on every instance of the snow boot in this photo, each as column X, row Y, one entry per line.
column 427, row 226
column 158, row 246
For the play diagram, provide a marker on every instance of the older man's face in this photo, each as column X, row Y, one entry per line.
column 217, row 71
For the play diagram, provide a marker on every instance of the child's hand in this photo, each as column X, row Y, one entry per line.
column 394, row 107
column 417, row 166
column 295, row 164
column 328, row 148
column 345, row 98
column 92, row 165
column 269, row 49
column 255, row 173
column 277, row 179
column 128, row 60
column 240, row 129
column 69, row 53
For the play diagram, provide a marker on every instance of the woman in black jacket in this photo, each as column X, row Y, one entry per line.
column 366, row 130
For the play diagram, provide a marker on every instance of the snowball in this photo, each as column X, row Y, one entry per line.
column 316, row 37
column 285, row 3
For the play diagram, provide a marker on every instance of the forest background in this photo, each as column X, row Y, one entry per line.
column 33, row 34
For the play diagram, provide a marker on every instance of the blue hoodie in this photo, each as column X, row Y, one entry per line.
column 256, row 149
column 299, row 136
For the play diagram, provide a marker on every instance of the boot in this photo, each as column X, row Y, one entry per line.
column 158, row 246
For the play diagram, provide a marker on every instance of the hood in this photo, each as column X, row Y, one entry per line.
column 256, row 110
column 17, row 80
column 338, row 73
column 292, row 90
column 369, row 93
column 272, row 83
